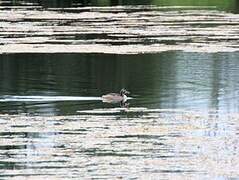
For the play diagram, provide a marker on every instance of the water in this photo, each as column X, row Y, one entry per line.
column 118, row 29
column 179, row 62
column 48, row 83
column 143, row 145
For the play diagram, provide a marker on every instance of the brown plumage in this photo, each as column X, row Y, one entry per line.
column 116, row 97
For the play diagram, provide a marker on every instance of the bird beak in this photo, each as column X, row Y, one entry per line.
column 127, row 92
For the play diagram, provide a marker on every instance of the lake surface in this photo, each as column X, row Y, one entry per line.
column 179, row 60
column 170, row 80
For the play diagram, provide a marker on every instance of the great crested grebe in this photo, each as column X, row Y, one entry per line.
column 116, row 97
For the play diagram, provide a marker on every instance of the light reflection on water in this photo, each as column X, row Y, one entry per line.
column 118, row 30
column 182, row 122
column 140, row 144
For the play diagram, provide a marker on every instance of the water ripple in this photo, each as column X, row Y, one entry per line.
column 118, row 30
column 167, row 143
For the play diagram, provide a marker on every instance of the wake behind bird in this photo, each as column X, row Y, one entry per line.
column 9, row 98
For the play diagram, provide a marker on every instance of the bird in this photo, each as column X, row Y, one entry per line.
column 116, row 97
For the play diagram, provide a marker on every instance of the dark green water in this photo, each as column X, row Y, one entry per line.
column 171, row 80
column 229, row 5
